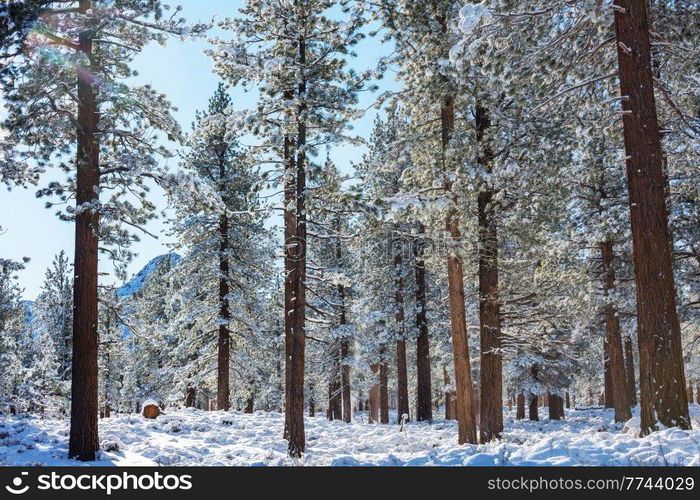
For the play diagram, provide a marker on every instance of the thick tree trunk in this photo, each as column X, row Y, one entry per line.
column 491, row 387
column 520, row 412
column 223, row 392
column 629, row 373
column 374, row 396
column 464, row 408
column 556, row 407
column 662, row 375
column 616, row 360
column 84, row 384
column 533, row 408
column 249, row 404
column 290, row 230
column 424, row 408
column 295, row 251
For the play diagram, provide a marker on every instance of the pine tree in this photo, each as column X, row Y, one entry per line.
column 54, row 311
column 295, row 53
column 68, row 95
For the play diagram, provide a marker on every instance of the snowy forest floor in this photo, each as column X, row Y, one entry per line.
column 194, row 437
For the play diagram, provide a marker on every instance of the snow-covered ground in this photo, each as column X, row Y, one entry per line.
column 193, row 437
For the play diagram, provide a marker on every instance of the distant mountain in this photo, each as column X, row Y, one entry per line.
column 136, row 283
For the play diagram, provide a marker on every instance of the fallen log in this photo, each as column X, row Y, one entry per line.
column 150, row 409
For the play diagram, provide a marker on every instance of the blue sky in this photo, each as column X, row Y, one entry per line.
column 184, row 73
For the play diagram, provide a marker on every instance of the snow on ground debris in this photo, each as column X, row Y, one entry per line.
column 194, row 437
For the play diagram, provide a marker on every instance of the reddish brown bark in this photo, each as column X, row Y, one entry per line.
column 520, row 412
column 556, row 407
column 465, row 412
column 84, row 441
column 533, row 413
column 662, row 375
column 295, row 251
column 615, row 361
column 449, row 396
column 290, row 230
column 491, row 372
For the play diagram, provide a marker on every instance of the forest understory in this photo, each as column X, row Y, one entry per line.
column 191, row 437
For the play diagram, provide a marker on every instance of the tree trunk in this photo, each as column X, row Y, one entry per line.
column 607, row 378
column 249, row 404
column 449, row 400
column 190, row 397
column 345, row 380
column 629, row 373
column 84, row 439
column 223, row 392
column 662, row 375
column 344, row 345
column 520, row 412
column 567, row 399
column 616, row 360
column 335, row 403
column 290, row 230
column 401, row 364
column 106, row 412
column 690, row 394
column 383, row 390
column 374, row 396
column 424, row 408
column 491, row 387
column 556, row 407
column 533, row 413
column 464, row 407
column 295, row 250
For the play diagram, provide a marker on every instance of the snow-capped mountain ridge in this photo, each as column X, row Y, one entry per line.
column 136, row 283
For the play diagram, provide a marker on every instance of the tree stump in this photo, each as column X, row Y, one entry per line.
column 150, row 409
